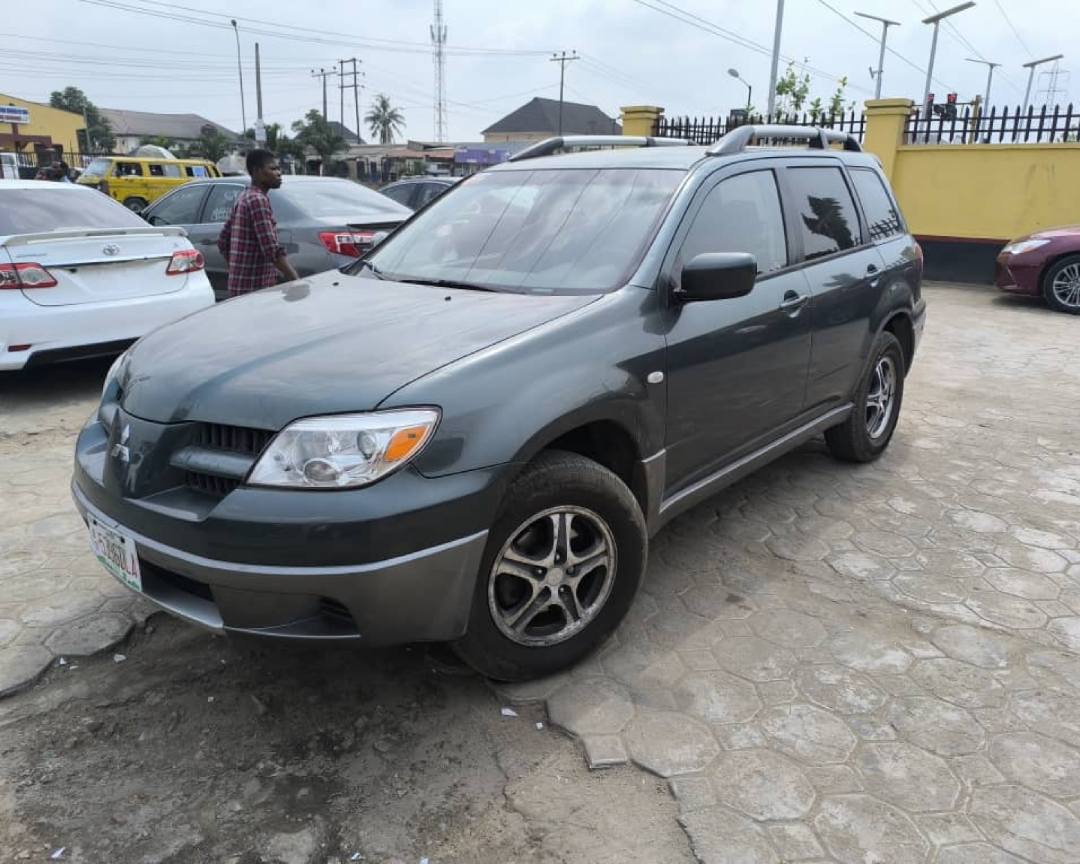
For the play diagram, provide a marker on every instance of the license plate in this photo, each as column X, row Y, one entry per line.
column 116, row 552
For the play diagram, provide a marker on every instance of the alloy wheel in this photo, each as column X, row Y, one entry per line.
column 1066, row 286
column 881, row 398
column 552, row 577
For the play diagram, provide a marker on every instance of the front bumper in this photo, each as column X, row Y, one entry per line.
column 1011, row 274
column 391, row 563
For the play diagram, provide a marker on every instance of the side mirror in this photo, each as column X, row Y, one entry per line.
column 717, row 276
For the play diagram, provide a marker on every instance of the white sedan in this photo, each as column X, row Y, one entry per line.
column 83, row 276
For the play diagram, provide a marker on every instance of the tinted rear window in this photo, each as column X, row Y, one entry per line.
column 825, row 211
column 344, row 199
column 28, row 211
column 884, row 220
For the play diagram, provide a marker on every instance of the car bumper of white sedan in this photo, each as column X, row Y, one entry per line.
column 32, row 334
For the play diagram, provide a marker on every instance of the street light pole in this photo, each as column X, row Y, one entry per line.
column 240, row 72
column 1031, row 75
column 734, row 73
column 775, row 56
column 936, row 21
column 885, row 25
column 990, row 67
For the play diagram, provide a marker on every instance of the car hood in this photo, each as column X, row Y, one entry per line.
column 1051, row 233
column 330, row 344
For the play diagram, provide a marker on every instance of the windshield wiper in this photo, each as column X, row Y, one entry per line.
column 375, row 271
column 446, row 283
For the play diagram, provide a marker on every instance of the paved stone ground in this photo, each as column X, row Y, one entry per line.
column 866, row 665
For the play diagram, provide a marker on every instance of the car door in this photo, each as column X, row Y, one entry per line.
column 843, row 271
column 427, row 192
column 736, row 367
column 179, row 207
column 403, row 193
column 205, row 233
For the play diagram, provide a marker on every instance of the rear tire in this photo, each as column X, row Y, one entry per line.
column 136, row 205
column 532, row 617
column 866, row 433
column 1061, row 285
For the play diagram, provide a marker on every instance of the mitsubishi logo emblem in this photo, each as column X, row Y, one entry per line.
column 111, row 249
column 120, row 450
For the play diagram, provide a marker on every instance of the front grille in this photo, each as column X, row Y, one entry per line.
column 225, row 439
column 235, row 439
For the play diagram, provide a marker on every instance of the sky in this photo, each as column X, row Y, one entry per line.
column 671, row 54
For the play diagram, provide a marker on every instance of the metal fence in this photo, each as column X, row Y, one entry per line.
column 1042, row 126
column 706, row 130
column 29, row 162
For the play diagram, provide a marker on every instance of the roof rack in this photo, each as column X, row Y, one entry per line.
column 740, row 138
column 576, row 142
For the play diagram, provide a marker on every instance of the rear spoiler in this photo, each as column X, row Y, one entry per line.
column 72, row 233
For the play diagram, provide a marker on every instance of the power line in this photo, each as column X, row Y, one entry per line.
column 1012, row 27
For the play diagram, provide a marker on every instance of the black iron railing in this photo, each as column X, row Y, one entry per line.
column 707, row 130
column 1045, row 125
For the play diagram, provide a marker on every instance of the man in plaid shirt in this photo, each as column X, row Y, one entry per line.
column 249, row 240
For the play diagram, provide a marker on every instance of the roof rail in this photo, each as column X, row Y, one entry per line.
column 740, row 138
column 574, row 142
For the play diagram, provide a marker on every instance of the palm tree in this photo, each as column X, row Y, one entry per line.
column 384, row 120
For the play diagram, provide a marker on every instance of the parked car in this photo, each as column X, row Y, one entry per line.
column 80, row 276
column 1044, row 264
column 323, row 222
column 135, row 181
column 472, row 433
column 415, row 192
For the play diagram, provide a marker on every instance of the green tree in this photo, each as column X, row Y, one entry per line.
column 384, row 120
column 836, row 102
column 314, row 132
column 100, row 135
column 792, row 90
column 211, row 145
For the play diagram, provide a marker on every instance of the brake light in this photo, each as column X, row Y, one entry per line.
column 25, row 276
column 185, row 261
column 351, row 243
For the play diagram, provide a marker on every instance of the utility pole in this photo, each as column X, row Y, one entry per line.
column 322, row 73
column 438, row 44
column 341, row 92
column 355, row 87
column 1031, row 75
column 885, row 25
column 775, row 58
column 260, row 127
column 990, row 67
column 562, row 60
column 936, row 21
column 240, row 71
column 86, row 134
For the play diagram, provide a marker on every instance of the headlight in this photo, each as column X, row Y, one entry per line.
column 345, row 450
column 1024, row 246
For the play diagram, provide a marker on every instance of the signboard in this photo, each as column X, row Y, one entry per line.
column 480, row 156
column 14, row 114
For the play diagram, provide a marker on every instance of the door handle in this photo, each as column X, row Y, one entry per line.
column 793, row 301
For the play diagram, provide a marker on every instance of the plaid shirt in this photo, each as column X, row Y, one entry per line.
column 249, row 242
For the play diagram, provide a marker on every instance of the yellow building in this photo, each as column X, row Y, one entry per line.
column 48, row 127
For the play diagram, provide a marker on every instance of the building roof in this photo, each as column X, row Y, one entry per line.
column 542, row 115
column 147, row 124
column 345, row 132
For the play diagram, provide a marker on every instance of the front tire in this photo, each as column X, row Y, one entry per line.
column 561, row 569
column 866, row 433
column 135, row 205
column 1061, row 285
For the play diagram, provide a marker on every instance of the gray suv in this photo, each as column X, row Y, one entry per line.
column 472, row 434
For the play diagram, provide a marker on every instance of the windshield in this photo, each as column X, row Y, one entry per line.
column 97, row 168
column 544, row 230
column 337, row 198
column 30, row 211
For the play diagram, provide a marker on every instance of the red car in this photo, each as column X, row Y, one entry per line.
column 1046, row 264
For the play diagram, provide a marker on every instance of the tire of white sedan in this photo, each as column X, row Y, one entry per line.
column 562, row 567
column 866, row 433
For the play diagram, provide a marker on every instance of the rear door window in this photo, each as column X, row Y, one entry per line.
column 402, row 194
column 220, row 203
column 740, row 214
column 824, row 210
column 179, row 208
column 162, row 169
column 427, row 192
column 882, row 217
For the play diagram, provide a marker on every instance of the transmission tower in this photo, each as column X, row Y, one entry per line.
column 1057, row 81
column 438, row 44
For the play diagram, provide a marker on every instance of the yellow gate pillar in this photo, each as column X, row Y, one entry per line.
column 640, row 119
column 885, row 122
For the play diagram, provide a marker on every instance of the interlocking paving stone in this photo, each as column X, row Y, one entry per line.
column 859, row 829
column 976, row 853
column 717, row 697
column 594, row 706
column 722, row 836
column 755, row 659
column 839, row 689
column 762, row 784
column 603, row 751
column 90, row 635
column 974, row 645
column 869, row 653
column 790, row 629
column 959, row 683
column 1026, row 823
column 907, row 776
column 1038, row 762
column 935, row 725
column 808, row 733
column 21, row 667
column 668, row 743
